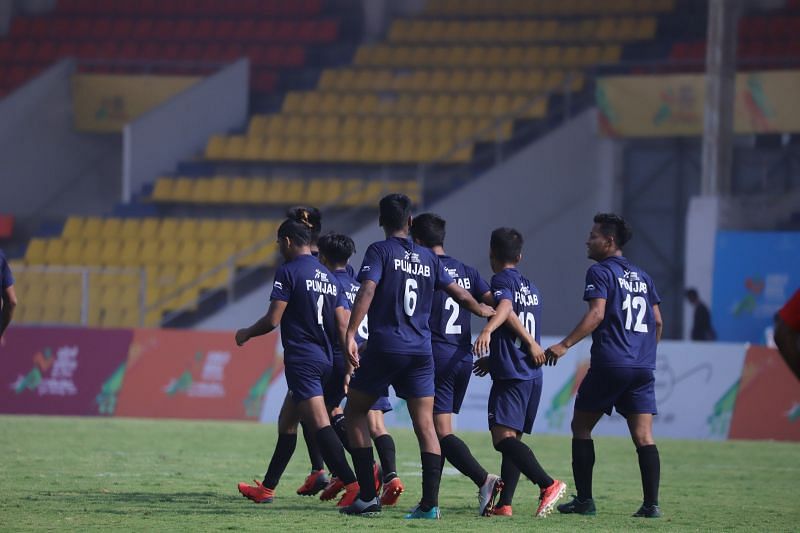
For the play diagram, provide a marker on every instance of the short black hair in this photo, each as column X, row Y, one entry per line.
column 506, row 245
column 311, row 215
column 691, row 293
column 336, row 247
column 300, row 233
column 612, row 225
column 395, row 209
column 428, row 229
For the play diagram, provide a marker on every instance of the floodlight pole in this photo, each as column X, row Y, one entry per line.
column 723, row 16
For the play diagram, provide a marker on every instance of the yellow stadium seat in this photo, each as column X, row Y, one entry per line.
column 162, row 191
column 169, row 253
column 328, row 127
column 73, row 252
column 293, row 102
column 257, row 191
column 424, row 105
column 169, row 228
column 110, row 253
column 150, row 250
column 200, row 192
column 91, row 253
column 234, row 150
column 150, row 228
column 215, row 149
column 208, row 253
column 328, row 150
column 276, row 191
column 311, row 150
column 276, row 125
column 54, row 252
column 110, row 297
column 129, row 254
column 333, row 191
column 257, row 126
column 92, row 227
column 329, row 79
column 111, row 229
column 351, row 126
column 312, row 102
column 315, row 193
column 71, row 315
column 182, row 189
column 253, row 148
column 533, row 56
column 349, row 150
column 482, row 105
column 51, row 315
column 237, row 193
column 646, row 28
column 292, row 150
column 351, row 194
column 73, row 228
column 188, row 275
column 131, row 228
column 551, row 56
column 610, row 54
column 295, row 191
column 218, row 189
column 187, row 228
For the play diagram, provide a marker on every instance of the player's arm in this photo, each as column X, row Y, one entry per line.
column 263, row 325
column 502, row 312
column 536, row 352
column 659, row 322
column 593, row 317
column 465, row 300
column 342, row 320
column 9, row 303
column 360, row 308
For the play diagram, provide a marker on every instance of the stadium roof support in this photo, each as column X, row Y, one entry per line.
column 720, row 73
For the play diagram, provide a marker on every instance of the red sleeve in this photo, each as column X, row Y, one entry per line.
column 790, row 312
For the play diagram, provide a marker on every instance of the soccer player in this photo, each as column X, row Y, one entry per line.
column 317, row 479
column 334, row 252
column 398, row 279
column 516, row 373
column 309, row 304
column 451, row 341
column 625, row 322
column 8, row 297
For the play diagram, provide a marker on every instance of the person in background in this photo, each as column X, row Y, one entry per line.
column 787, row 333
column 8, row 298
column 702, row 330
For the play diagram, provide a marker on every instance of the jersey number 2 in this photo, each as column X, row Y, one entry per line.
column 452, row 328
column 640, row 304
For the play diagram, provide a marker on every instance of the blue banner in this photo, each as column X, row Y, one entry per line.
column 754, row 274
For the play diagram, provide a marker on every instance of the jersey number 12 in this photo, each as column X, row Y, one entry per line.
column 640, row 304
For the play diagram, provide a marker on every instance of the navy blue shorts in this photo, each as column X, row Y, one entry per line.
column 513, row 403
column 628, row 390
column 333, row 392
column 453, row 369
column 305, row 379
column 410, row 375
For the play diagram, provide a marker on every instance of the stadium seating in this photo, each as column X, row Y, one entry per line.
column 174, row 36
column 129, row 272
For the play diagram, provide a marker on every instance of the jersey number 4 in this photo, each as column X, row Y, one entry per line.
column 640, row 305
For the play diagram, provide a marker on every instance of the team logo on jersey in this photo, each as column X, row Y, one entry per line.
column 452, row 272
column 322, row 276
column 278, row 285
column 589, row 287
column 411, row 257
column 365, row 268
column 630, row 276
column 498, row 294
column 525, row 289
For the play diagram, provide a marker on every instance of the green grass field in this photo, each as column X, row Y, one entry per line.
column 99, row 474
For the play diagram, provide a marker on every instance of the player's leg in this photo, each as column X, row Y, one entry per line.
column 316, row 479
column 356, row 409
column 314, row 412
column 421, row 411
column 512, row 409
column 598, row 392
column 288, row 419
column 510, row 476
column 638, row 405
column 384, row 444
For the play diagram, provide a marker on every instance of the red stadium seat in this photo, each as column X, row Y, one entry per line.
column 6, row 52
column 204, row 29
column 264, row 81
column 24, row 51
column 122, row 28
column 62, row 28
column 223, row 30
column 184, row 30
column 143, row 29
column 264, row 31
column 80, row 28
column 129, row 51
column 101, row 29
column 20, row 27
column 40, row 28
column 246, row 30
column 67, row 49
column 164, row 30
column 46, row 53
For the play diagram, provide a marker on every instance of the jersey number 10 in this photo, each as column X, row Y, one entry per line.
column 529, row 323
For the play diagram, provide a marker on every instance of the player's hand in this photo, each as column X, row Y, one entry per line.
column 537, row 354
column 242, row 336
column 352, row 352
column 486, row 311
column 554, row 353
column 481, row 347
column 481, row 366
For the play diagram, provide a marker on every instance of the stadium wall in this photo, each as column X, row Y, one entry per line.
column 704, row 390
column 51, row 168
column 155, row 142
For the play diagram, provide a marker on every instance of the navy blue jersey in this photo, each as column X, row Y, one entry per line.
column 351, row 286
column 449, row 323
column 312, row 292
column 406, row 277
column 6, row 278
column 627, row 335
column 508, row 359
